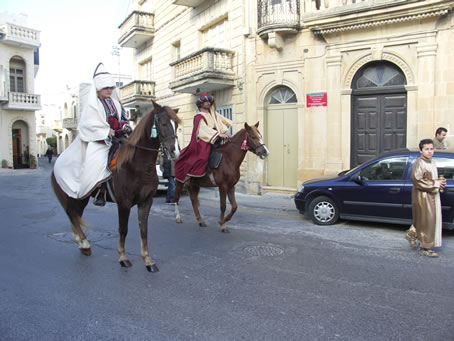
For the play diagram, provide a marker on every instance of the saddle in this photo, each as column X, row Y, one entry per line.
column 113, row 153
column 215, row 157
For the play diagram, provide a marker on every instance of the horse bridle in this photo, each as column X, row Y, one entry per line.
column 155, row 126
column 156, row 118
column 252, row 149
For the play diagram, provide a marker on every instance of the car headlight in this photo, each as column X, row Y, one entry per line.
column 301, row 188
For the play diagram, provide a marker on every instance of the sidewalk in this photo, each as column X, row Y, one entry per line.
column 268, row 201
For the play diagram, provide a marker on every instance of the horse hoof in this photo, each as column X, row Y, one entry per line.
column 225, row 230
column 86, row 252
column 152, row 268
column 202, row 224
column 179, row 221
column 125, row 263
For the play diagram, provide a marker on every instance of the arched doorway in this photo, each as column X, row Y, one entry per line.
column 379, row 111
column 21, row 145
column 282, row 138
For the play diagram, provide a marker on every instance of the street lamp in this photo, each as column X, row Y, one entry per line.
column 116, row 52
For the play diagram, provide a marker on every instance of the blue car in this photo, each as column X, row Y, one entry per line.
column 378, row 190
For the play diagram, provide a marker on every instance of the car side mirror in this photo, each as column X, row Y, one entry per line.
column 358, row 179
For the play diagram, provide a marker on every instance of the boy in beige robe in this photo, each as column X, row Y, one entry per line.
column 425, row 199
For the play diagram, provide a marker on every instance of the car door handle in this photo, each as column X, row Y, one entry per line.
column 394, row 190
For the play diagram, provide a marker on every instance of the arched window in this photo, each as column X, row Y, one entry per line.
column 282, row 95
column 379, row 75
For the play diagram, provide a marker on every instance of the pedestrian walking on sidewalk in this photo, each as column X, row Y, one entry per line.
column 49, row 154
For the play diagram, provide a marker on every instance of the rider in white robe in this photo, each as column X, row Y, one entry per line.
column 83, row 165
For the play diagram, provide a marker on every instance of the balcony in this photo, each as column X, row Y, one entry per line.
column 20, row 36
column 58, row 126
column 41, row 130
column 137, row 93
column 331, row 16
column 136, row 29
column 69, row 123
column 209, row 69
column 23, row 101
column 276, row 20
column 187, row 3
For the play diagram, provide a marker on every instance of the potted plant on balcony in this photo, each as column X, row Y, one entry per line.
column 32, row 162
column 4, row 163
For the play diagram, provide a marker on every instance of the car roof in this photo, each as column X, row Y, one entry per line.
column 414, row 150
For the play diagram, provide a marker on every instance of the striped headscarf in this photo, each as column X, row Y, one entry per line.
column 204, row 97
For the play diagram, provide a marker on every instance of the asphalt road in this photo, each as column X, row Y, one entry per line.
column 276, row 276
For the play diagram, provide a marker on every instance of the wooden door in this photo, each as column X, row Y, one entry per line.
column 282, row 141
column 379, row 124
column 17, row 147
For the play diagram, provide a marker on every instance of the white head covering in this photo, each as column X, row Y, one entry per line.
column 93, row 124
column 102, row 78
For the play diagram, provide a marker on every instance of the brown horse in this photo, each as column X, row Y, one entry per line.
column 226, row 175
column 135, row 181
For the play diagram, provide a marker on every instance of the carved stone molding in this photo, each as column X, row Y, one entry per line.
column 333, row 61
column 426, row 50
column 339, row 27
column 385, row 56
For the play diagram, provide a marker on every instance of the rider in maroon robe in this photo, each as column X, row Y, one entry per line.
column 208, row 127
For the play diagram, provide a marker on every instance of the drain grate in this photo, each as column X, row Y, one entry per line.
column 264, row 250
column 92, row 236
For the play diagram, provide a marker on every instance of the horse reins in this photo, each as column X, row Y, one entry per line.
column 156, row 116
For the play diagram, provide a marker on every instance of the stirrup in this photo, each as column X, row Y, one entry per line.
column 100, row 200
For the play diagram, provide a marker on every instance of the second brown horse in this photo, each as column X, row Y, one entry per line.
column 226, row 176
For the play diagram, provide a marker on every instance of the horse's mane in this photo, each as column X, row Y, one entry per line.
column 128, row 148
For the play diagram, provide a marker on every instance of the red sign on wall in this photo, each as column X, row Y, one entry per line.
column 317, row 99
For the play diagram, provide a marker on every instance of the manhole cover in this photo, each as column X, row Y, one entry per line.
column 91, row 236
column 264, row 250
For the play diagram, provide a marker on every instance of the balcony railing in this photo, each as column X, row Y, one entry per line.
column 58, row 125
column 41, row 130
column 23, row 101
column 137, row 93
column 20, row 36
column 209, row 69
column 283, row 16
column 136, row 29
column 70, row 123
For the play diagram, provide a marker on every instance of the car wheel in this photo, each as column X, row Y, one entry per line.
column 323, row 211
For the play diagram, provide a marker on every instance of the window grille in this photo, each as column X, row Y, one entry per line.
column 227, row 112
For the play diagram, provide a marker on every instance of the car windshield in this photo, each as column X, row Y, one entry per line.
column 350, row 170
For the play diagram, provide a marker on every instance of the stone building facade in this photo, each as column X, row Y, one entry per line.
column 19, row 64
column 332, row 83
